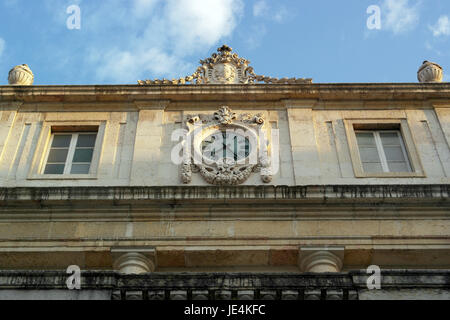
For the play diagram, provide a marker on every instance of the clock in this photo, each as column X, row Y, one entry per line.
column 222, row 145
column 225, row 148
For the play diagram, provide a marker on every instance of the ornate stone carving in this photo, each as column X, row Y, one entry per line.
column 200, row 295
column 21, row 76
column 430, row 72
column 246, row 295
column 335, row 294
column 156, row 295
column 134, row 295
column 224, row 67
column 268, row 295
column 312, row 294
column 289, row 295
column 178, row 295
column 223, row 295
column 224, row 115
column 226, row 170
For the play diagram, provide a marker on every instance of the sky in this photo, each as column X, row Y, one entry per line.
column 122, row 41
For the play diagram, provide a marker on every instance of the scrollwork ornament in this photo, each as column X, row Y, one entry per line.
column 186, row 173
column 225, row 67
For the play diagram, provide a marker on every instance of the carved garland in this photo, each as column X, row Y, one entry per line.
column 225, row 171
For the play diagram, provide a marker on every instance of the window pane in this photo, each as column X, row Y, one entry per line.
column 61, row 141
column 80, row 169
column 57, row 155
column 369, row 154
column 390, row 138
column 394, row 154
column 83, row 155
column 398, row 167
column 372, row 167
column 86, row 140
column 54, row 169
column 365, row 139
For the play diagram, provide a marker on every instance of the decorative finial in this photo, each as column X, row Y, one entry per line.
column 21, row 76
column 224, row 48
column 430, row 72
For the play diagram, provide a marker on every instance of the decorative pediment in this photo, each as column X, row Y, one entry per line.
column 224, row 67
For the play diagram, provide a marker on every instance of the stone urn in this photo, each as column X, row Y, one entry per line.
column 21, row 76
column 430, row 72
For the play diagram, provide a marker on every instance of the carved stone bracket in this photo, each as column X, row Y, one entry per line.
column 225, row 171
column 224, row 67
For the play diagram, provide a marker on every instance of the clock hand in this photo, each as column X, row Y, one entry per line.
column 228, row 147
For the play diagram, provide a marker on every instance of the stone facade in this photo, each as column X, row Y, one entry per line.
column 305, row 205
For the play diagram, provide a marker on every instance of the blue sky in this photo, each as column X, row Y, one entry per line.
column 121, row 41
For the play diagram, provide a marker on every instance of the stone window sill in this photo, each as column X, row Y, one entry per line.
column 63, row 177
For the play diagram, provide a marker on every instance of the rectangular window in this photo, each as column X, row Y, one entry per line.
column 70, row 153
column 382, row 151
column 382, row 148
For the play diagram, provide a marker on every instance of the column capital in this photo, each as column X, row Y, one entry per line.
column 134, row 260
column 321, row 259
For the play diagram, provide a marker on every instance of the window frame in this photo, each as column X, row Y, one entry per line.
column 70, row 153
column 408, row 147
column 43, row 147
column 381, row 152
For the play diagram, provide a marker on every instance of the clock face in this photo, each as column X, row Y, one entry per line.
column 225, row 145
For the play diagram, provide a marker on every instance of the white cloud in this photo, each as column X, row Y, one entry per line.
column 160, row 34
column 143, row 7
column 199, row 22
column 2, row 46
column 125, row 65
column 442, row 27
column 400, row 16
column 262, row 10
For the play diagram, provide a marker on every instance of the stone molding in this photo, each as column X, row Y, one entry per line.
column 119, row 96
column 341, row 193
column 299, row 202
column 190, row 286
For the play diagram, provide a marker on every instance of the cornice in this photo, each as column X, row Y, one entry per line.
column 235, row 92
column 220, row 193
